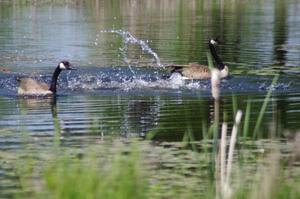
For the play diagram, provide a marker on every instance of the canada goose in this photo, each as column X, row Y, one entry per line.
column 197, row 71
column 29, row 86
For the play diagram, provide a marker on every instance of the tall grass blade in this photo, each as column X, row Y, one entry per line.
column 247, row 120
column 234, row 105
column 264, row 107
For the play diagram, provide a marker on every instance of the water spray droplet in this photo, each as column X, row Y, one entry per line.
column 128, row 38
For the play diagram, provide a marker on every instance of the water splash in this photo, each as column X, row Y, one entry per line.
column 119, row 79
column 128, row 39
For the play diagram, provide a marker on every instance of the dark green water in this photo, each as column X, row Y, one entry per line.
column 105, row 97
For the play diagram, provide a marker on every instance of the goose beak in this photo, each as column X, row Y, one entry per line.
column 218, row 40
column 71, row 67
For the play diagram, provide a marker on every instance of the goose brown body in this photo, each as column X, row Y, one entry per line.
column 31, row 87
column 192, row 71
column 198, row 71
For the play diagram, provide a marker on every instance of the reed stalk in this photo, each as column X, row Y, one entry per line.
column 223, row 154
column 233, row 138
column 225, row 189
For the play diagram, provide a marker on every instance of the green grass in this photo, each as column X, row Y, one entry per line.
column 90, row 176
column 264, row 107
column 139, row 170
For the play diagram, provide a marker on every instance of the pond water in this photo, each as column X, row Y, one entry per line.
column 120, row 49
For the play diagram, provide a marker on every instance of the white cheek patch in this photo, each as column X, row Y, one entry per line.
column 62, row 66
column 213, row 42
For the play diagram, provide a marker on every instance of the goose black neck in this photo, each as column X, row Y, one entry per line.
column 216, row 57
column 54, row 79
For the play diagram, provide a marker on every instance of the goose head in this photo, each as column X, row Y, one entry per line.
column 215, row 41
column 65, row 65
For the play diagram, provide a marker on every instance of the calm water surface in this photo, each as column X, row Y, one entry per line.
column 119, row 88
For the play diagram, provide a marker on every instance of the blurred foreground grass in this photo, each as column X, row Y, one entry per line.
column 139, row 169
